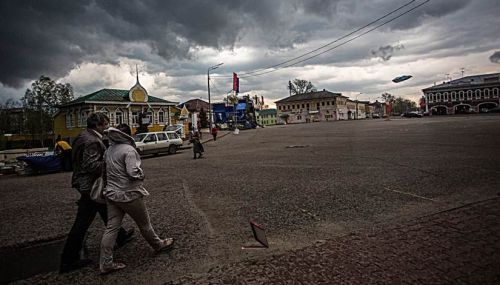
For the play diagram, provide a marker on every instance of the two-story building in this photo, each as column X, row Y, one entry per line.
column 470, row 94
column 133, row 107
column 313, row 107
column 266, row 117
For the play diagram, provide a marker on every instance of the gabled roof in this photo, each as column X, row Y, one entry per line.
column 112, row 95
column 317, row 95
column 468, row 81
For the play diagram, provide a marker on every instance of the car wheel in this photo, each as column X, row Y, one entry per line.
column 172, row 149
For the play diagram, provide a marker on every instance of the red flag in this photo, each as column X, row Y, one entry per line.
column 236, row 83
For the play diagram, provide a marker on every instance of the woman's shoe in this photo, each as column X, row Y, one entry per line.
column 166, row 245
column 114, row 267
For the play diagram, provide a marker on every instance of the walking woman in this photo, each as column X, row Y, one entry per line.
column 124, row 195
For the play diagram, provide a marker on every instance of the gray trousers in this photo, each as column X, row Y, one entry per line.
column 137, row 210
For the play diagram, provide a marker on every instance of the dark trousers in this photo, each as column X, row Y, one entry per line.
column 66, row 160
column 87, row 210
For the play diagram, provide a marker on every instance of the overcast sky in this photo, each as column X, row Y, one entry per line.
column 96, row 44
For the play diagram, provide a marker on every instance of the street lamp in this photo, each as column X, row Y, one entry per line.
column 209, row 102
column 357, row 105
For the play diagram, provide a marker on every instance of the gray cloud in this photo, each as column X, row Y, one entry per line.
column 53, row 37
column 386, row 52
column 495, row 57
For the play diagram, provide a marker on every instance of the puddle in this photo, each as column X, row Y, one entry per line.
column 21, row 263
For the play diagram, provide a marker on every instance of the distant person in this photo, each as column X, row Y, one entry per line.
column 124, row 195
column 194, row 138
column 214, row 132
column 63, row 150
column 88, row 163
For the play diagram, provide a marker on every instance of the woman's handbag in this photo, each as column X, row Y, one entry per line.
column 97, row 191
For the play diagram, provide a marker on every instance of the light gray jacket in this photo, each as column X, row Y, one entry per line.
column 123, row 168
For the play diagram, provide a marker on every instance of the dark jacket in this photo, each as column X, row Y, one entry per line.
column 87, row 157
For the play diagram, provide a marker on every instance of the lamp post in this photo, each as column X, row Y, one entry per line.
column 357, row 105
column 209, row 102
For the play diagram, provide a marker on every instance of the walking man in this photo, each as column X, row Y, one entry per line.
column 214, row 132
column 87, row 156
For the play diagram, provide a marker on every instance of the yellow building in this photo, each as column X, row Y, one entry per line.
column 312, row 107
column 122, row 106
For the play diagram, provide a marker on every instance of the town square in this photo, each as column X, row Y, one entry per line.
column 250, row 142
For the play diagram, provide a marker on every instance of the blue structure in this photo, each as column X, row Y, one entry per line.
column 242, row 114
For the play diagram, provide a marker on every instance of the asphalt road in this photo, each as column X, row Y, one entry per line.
column 305, row 183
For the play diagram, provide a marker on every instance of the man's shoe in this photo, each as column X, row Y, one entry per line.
column 68, row 267
column 124, row 238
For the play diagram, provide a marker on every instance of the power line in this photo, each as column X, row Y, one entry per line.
column 343, row 43
column 332, row 42
column 261, row 71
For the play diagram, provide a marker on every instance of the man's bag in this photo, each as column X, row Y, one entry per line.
column 97, row 192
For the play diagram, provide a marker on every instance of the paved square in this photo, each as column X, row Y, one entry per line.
column 306, row 183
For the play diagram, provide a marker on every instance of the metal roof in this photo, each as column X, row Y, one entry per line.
column 112, row 95
column 318, row 95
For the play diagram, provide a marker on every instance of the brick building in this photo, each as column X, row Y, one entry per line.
column 470, row 94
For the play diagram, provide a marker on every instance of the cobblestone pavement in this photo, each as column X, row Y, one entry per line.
column 459, row 246
column 305, row 183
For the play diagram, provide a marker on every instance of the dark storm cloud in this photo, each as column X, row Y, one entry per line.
column 495, row 57
column 52, row 37
column 386, row 52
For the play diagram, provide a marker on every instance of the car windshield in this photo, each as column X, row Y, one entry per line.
column 139, row 137
column 171, row 128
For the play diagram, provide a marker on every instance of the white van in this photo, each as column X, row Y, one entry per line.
column 157, row 142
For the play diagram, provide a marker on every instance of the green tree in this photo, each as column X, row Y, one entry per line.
column 203, row 118
column 41, row 102
column 300, row 86
column 388, row 97
column 10, row 123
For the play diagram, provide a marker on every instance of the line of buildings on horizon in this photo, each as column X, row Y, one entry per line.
column 471, row 94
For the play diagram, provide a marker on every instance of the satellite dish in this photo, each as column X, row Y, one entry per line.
column 401, row 78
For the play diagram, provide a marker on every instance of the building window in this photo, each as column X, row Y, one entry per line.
column 328, row 103
column 469, row 94
column 149, row 116
column 118, row 117
column 161, row 117
column 299, row 117
column 69, row 119
column 82, row 122
column 303, row 106
column 453, row 96
column 486, row 93
column 307, row 106
column 495, row 93
column 461, row 95
column 135, row 118
column 323, row 103
column 478, row 94
column 445, row 96
column 438, row 97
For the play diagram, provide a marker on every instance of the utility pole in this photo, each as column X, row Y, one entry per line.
column 209, row 102
column 290, row 87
